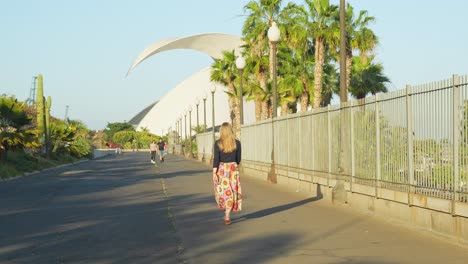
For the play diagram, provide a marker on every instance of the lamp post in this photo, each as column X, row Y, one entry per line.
column 190, row 130
column 343, row 84
column 213, row 90
column 197, row 102
column 180, row 134
column 240, row 64
column 185, row 141
column 273, row 36
column 204, row 112
column 177, row 132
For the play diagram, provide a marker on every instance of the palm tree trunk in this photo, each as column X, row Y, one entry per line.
column 234, row 108
column 263, row 85
column 349, row 63
column 284, row 108
column 265, row 110
column 258, row 110
column 237, row 119
column 270, row 109
column 319, row 59
column 305, row 99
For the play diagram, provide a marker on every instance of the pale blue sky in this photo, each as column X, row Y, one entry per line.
column 84, row 48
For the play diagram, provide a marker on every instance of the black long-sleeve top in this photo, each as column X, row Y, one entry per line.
column 220, row 156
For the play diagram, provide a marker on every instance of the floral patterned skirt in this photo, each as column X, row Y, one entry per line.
column 228, row 193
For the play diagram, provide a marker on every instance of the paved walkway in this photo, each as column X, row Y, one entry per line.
column 280, row 226
column 125, row 210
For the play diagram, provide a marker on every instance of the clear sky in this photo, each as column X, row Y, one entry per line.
column 84, row 48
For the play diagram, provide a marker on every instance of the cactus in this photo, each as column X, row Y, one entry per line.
column 40, row 104
column 43, row 120
column 47, row 122
column 47, row 113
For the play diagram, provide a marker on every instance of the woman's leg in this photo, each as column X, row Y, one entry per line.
column 227, row 214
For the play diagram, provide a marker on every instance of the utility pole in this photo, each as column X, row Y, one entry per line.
column 32, row 92
column 66, row 114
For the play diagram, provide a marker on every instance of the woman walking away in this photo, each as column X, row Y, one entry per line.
column 153, row 151
column 227, row 186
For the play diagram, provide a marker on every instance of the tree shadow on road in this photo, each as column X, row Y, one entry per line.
column 280, row 208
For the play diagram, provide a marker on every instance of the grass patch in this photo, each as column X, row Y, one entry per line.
column 18, row 163
column 7, row 170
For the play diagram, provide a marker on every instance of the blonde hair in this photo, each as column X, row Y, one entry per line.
column 227, row 141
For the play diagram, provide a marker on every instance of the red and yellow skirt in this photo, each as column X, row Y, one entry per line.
column 228, row 193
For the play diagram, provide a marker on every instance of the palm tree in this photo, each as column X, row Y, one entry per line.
column 360, row 37
column 322, row 29
column 63, row 136
column 367, row 77
column 14, row 130
column 330, row 81
column 260, row 16
column 224, row 71
column 297, row 63
column 257, row 68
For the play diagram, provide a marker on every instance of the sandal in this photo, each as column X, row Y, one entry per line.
column 227, row 221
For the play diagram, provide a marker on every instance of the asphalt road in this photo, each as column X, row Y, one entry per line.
column 125, row 210
column 111, row 210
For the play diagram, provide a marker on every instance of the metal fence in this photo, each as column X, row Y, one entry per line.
column 403, row 140
column 204, row 145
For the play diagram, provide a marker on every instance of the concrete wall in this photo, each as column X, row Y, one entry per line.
column 99, row 153
column 426, row 213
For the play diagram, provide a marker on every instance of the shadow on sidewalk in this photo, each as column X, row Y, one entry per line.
column 280, row 208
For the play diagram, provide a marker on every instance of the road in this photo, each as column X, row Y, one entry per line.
column 125, row 210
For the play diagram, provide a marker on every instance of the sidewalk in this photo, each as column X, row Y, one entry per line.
column 281, row 226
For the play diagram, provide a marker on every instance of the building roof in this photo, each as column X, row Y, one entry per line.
column 212, row 44
column 138, row 117
column 163, row 115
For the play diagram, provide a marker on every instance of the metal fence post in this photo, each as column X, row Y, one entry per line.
column 377, row 146
column 289, row 139
column 329, row 146
column 456, row 135
column 353, row 169
column 409, row 138
column 299, row 142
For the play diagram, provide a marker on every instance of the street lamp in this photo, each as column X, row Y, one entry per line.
column 190, row 130
column 176, row 130
column 274, row 36
column 204, row 112
column 185, row 121
column 213, row 90
column 180, row 133
column 240, row 64
column 197, row 102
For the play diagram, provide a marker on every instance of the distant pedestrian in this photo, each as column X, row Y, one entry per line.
column 161, row 145
column 226, row 179
column 153, row 148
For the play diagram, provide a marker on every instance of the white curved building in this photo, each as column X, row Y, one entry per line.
column 161, row 116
